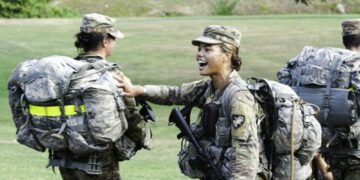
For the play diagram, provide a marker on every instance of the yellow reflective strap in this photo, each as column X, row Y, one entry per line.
column 54, row 110
column 352, row 89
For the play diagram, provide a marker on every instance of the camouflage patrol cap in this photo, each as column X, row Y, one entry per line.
column 216, row 34
column 99, row 23
column 351, row 27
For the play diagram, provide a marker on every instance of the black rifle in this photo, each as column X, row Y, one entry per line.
column 211, row 171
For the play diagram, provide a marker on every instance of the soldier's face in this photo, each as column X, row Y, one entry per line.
column 110, row 45
column 210, row 59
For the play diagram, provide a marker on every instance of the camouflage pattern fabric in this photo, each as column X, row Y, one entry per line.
column 137, row 129
column 98, row 23
column 282, row 168
column 313, row 65
column 107, row 123
column 216, row 34
column 137, row 135
column 351, row 27
column 236, row 138
column 306, row 133
column 344, row 167
column 110, row 169
column 46, row 81
column 344, row 147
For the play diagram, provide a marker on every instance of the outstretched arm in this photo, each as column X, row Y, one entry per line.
column 162, row 94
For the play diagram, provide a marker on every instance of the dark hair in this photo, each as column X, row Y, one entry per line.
column 89, row 41
column 350, row 41
column 235, row 59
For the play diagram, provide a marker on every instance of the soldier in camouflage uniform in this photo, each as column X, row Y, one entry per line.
column 341, row 145
column 96, row 40
column 345, row 163
column 233, row 143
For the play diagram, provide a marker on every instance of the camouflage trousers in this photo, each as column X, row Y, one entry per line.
column 110, row 169
column 344, row 167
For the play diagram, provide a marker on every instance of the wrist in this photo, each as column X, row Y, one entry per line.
column 140, row 90
column 144, row 90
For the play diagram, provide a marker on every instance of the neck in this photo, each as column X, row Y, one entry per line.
column 355, row 49
column 97, row 53
column 220, row 80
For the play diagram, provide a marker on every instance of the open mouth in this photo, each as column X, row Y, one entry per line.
column 202, row 63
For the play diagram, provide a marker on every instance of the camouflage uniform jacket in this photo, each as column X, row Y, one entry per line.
column 236, row 138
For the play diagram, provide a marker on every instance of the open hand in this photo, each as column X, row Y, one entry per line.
column 128, row 88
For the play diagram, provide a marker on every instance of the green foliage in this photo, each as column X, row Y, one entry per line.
column 264, row 8
column 306, row 2
column 223, row 7
column 352, row 5
column 32, row 9
column 115, row 8
column 325, row 7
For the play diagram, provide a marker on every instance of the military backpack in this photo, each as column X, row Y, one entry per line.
column 287, row 127
column 59, row 103
column 328, row 78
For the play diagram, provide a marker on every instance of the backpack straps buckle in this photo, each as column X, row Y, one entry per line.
column 93, row 166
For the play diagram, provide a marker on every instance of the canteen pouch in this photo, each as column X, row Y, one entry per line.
column 125, row 148
column 342, row 105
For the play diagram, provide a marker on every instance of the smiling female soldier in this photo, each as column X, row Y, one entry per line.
column 230, row 139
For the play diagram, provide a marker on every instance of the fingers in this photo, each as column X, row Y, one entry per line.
column 126, row 94
column 120, row 85
column 125, row 84
column 118, row 78
column 121, row 81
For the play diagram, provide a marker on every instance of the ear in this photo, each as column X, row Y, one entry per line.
column 105, row 42
column 227, row 56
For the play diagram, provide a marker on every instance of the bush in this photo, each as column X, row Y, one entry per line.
column 32, row 9
column 223, row 7
column 114, row 8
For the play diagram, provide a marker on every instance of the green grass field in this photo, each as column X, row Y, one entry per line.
column 154, row 51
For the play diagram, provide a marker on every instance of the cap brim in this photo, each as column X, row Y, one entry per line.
column 206, row 40
column 117, row 34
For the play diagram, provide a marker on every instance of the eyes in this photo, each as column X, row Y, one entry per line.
column 205, row 48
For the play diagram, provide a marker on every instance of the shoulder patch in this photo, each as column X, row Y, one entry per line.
column 238, row 120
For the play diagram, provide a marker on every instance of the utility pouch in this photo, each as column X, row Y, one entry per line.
column 146, row 110
column 197, row 163
column 209, row 117
column 341, row 104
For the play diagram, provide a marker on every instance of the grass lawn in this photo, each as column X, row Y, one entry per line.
column 154, row 51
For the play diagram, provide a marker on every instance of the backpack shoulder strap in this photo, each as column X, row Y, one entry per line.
column 228, row 93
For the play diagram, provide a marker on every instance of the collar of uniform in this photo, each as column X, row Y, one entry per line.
column 217, row 93
column 93, row 55
column 89, row 57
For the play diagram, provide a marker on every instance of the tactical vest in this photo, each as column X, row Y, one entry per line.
column 213, row 132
